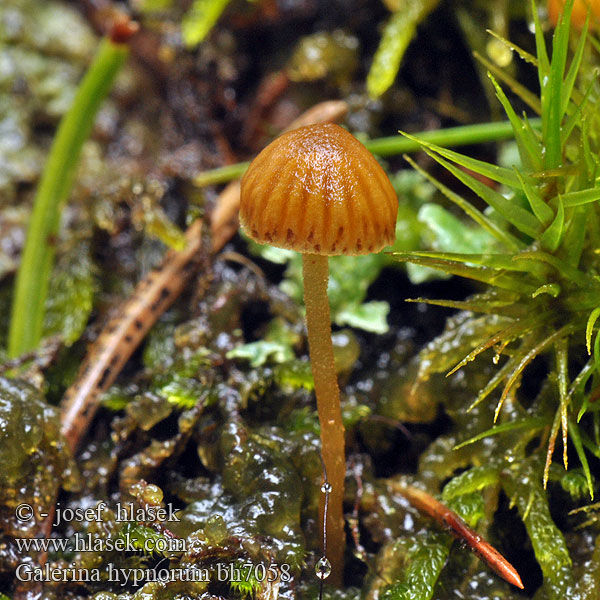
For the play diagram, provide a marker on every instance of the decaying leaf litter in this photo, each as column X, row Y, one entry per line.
column 216, row 408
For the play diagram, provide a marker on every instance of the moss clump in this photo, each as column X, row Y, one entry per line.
column 35, row 460
column 541, row 273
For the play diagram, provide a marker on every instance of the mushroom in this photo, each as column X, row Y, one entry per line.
column 319, row 191
column 579, row 13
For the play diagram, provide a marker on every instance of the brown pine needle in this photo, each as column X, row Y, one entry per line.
column 450, row 520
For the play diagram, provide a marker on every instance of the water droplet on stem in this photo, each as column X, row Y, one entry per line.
column 323, row 568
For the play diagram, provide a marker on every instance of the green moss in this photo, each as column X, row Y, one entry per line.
column 540, row 275
column 35, row 459
column 523, row 487
column 325, row 55
column 71, row 294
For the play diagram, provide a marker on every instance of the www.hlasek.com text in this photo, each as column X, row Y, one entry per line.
column 87, row 542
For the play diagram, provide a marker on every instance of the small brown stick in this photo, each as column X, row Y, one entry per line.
column 152, row 297
column 450, row 520
column 121, row 336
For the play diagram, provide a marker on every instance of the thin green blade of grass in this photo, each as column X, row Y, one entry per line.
column 583, row 300
column 592, row 163
column 483, row 274
column 529, row 148
column 575, row 118
column 540, row 46
column 596, row 351
column 589, row 328
column 581, row 197
column 506, row 308
column 509, row 240
column 523, row 54
column 495, row 173
column 589, row 444
column 552, row 91
column 562, row 171
column 491, row 261
column 576, row 439
column 578, row 388
column 595, row 43
column 522, row 219
column 452, row 136
column 221, row 174
column 532, row 423
column 540, row 209
column 576, row 276
column 57, row 179
column 569, row 82
column 532, row 126
column 590, row 158
column 518, row 88
column 575, row 235
column 551, row 238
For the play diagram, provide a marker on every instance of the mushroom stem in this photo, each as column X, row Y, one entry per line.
column 318, row 322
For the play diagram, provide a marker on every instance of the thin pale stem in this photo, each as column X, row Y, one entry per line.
column 316, row 274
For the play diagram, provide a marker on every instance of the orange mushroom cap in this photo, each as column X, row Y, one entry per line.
column 318, row 190
column 579, row 13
